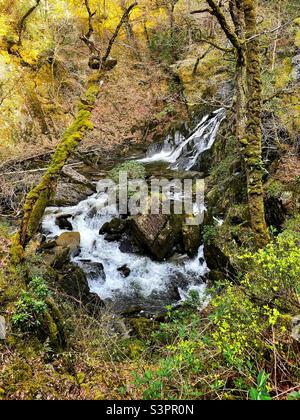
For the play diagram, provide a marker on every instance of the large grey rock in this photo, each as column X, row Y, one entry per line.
column 93, row 270
column 156, row 234
column 219, row 264
column 68, row 194
column 60, row 252
column 69, row 240
column 73, row 188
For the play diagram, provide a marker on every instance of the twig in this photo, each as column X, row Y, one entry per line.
column 39, row 169
column 270, row 31
column 194, row 12
column 278, row 93
column 199, row 59
column 227, row 50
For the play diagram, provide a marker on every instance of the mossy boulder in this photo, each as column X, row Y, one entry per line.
column 191, row 235
column 219, row 264
column 133, row 169
column 143, row 327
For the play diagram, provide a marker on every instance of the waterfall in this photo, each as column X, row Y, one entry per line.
column 149, row 282
column 183, row 155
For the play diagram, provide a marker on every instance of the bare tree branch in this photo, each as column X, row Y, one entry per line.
column 117, row 30
column 199, row 59
column 213, row 44
column 90, row 22
column 270, row 31
column 278, row 94
column 194, row 12
column 227, row 28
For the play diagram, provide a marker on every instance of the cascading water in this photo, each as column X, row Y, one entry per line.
column 150, row 284
column 184, row 155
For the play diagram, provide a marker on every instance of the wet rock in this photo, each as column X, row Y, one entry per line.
column 127, row 246
column 219, row 264
column 191, row 239
column 93, row 270
column 68, row 194
column 124, row 270
column 70, row 240
column 114, row 226
column 57, row 257
column 179, row 258
column 113, row 237
column 59, row 252
column 275, row 213
column 73, row 188
column 63, row 223
column 156, row 234
column 73, row 281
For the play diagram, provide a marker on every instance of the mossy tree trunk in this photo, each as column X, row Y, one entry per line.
column 253, row 139
column 237, row 16
column 244, row 38
column 39, row 197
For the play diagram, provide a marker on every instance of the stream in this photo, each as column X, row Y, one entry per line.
column 150, row 285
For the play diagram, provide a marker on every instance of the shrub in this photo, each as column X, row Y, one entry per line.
column 31, row 307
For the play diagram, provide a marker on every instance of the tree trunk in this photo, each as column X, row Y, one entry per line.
column 39, row 197
column 237, row 16
column 253, row 140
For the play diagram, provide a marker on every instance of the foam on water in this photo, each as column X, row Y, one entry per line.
column 147, row 278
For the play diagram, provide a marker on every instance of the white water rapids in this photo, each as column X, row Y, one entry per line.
column 149, row 281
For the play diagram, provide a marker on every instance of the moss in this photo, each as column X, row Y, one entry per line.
column 134, row 170
column 284, row 72
column 52, row 329
column 275, row 189
column 16, row 249
column 297, row 39
column 135, row 348
column 143, row 327
column 38, row 199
